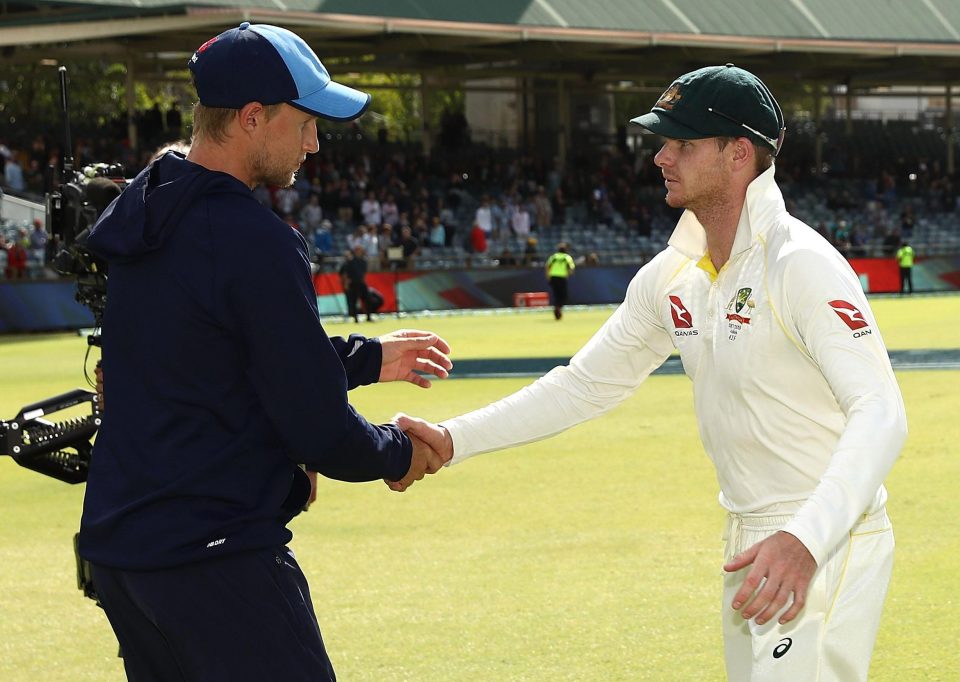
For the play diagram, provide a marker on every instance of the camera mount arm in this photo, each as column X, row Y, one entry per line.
column 59, row 449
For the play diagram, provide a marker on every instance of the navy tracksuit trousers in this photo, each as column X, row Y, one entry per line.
column 238, row 618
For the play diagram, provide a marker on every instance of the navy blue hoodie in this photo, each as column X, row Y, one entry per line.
column 219, row 378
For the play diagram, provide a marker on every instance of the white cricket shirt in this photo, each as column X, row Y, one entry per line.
column 794, row 394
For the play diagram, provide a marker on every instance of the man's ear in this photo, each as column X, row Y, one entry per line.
column 251, row 116
column 743, row 152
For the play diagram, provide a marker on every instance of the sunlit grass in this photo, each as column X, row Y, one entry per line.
column 592, row 556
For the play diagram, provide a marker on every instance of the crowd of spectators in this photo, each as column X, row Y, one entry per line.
column 25, row 252
column 483, row 206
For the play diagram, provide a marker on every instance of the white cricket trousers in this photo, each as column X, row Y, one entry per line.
column 832, row 638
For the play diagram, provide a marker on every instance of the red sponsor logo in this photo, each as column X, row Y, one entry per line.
column 682, row 319
column 738, row 318
column 850, row 314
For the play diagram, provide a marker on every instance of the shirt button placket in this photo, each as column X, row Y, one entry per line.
column 711, row 309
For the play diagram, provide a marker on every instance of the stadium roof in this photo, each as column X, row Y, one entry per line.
column 862, row 43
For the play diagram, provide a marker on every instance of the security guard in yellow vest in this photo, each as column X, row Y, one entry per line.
column 559, row 267
column 905, row 261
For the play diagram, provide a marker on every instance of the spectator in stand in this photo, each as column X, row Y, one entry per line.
column 484, row 216
column 16, row 259
column 322, row 241
column 478, row 240
column 23, row 236
column 448, row 216
column 388, row 239
column 530, row 254
column 370, row 209
column 311, row 215
column 288, row 200
column 420, row 230
column 356, row 238
column 38, row 243
column 519, row 218
column 542, row 209
column 389, row 211
column 500, row 216
column 371, row 247
column 438, row 233
column 13, row 174
column 410, row 247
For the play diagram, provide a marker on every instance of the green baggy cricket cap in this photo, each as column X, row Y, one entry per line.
column 717, row 101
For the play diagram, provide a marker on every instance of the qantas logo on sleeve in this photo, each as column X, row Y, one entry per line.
column 682, row 319
column 850, row 314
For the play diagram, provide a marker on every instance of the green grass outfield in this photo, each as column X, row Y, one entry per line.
column 592, row 556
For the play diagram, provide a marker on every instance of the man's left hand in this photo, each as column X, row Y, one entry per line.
column 312, row 475
column 409, row 351
column 782, row 566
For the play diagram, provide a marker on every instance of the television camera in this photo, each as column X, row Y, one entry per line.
column 61, row 449
column 38, row 438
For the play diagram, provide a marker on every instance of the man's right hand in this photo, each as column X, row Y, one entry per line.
column 433, row 439
column 424, row 460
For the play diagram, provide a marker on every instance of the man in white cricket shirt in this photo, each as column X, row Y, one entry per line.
column 797, row 404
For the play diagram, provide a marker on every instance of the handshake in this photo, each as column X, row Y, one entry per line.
column 432, row 448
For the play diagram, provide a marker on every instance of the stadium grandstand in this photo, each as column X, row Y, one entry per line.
column 520, row 107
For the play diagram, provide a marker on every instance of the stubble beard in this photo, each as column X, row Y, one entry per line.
column 271, row 171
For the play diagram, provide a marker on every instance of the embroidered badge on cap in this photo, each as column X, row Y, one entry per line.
column 668, row 100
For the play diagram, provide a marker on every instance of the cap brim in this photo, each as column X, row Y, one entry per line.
column 335, row 102
column 661, row 123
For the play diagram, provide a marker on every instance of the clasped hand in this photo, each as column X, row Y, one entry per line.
column 432, row 448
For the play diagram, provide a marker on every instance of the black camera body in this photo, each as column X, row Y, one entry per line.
column 72, row 210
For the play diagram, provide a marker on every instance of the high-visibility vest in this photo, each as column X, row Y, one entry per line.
column 560, row 265
column 905, row 256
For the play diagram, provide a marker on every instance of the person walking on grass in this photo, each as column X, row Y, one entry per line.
column 559, row 268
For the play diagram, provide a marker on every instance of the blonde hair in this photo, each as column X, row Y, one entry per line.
column 213, row 122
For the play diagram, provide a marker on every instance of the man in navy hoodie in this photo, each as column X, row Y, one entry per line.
column 221, row 381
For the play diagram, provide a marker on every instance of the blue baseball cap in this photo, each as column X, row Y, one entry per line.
column 270, row 65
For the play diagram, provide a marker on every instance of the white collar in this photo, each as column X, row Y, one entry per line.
column 763, row 201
